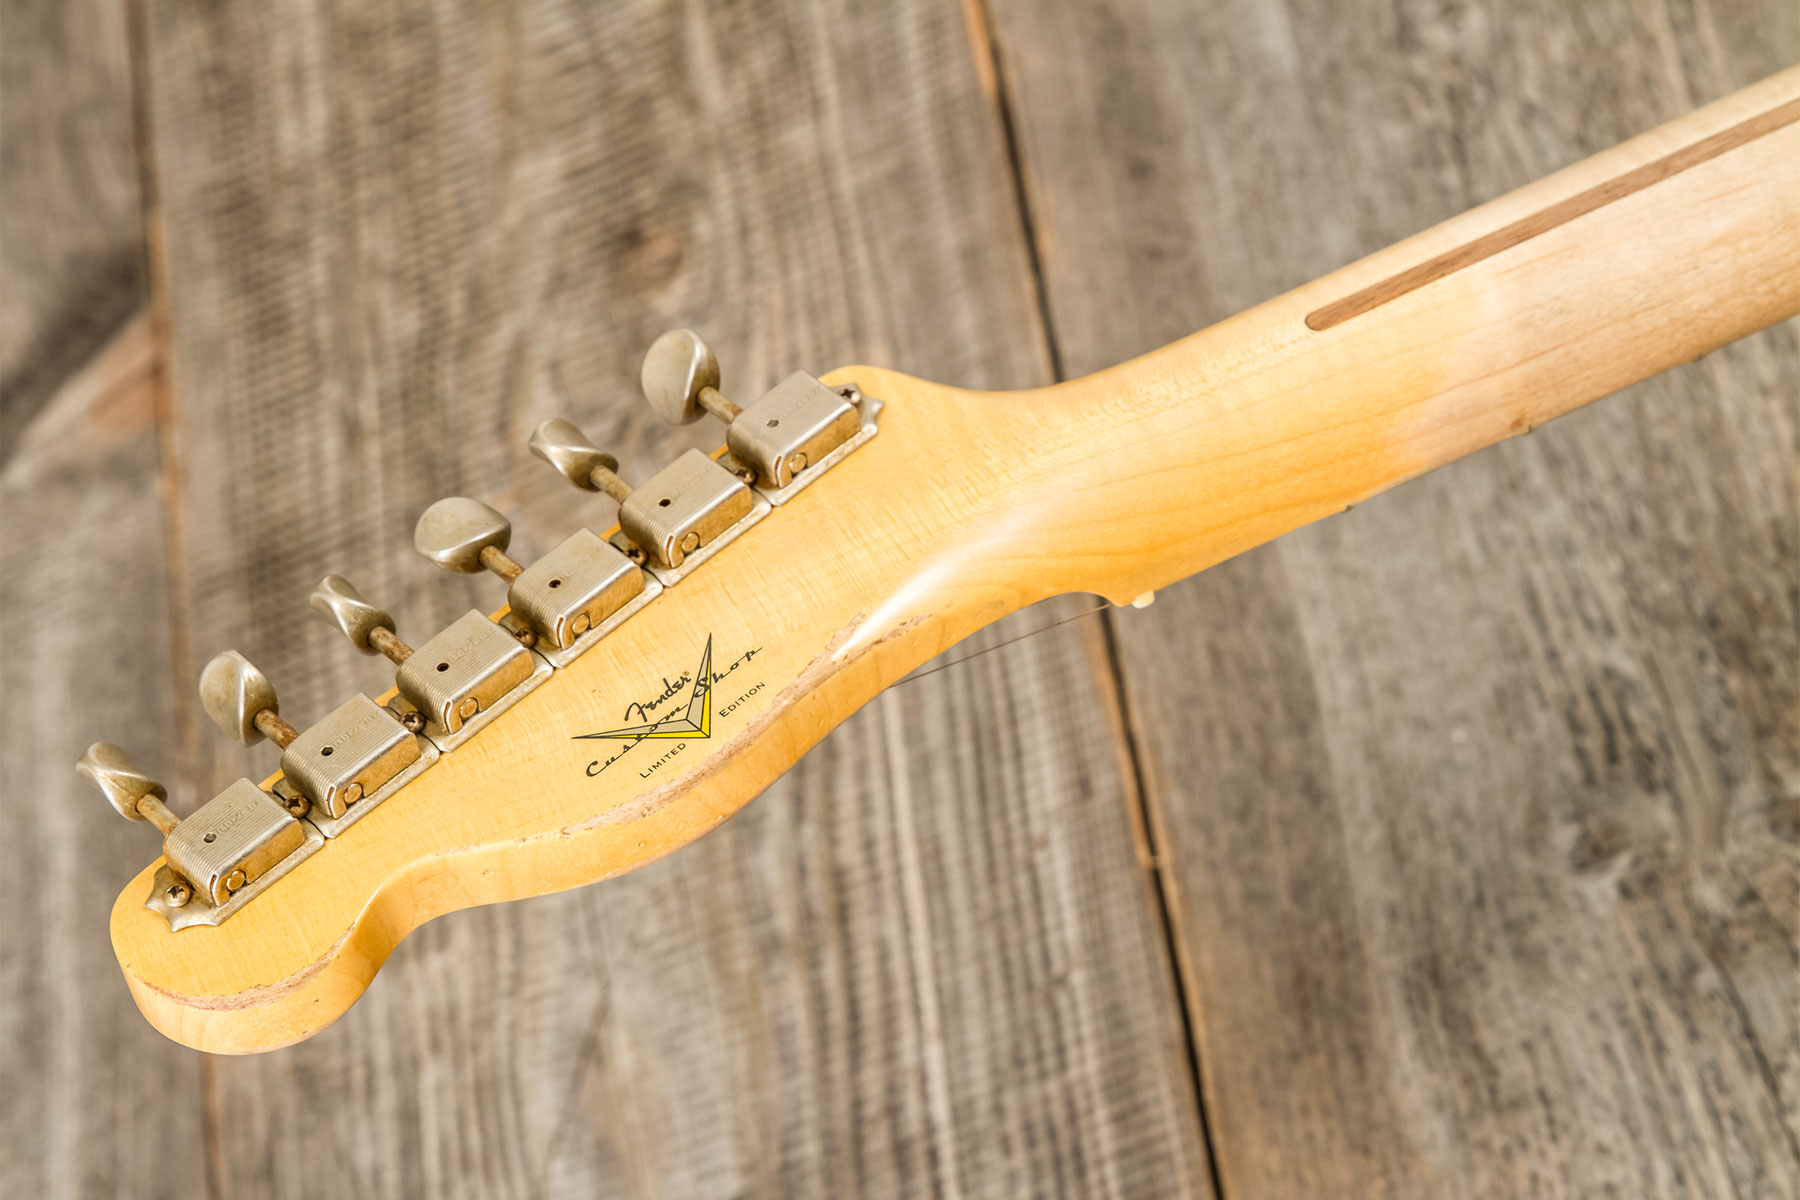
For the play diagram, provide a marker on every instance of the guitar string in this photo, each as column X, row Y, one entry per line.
column 957, row 662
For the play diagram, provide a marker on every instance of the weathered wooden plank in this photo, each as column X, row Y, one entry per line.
column 399, row 237
column 95, row 1103
column 1476, row 805
column 71, row 239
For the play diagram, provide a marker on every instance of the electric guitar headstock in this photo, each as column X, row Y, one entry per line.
column 638, row 686
column 643, row 683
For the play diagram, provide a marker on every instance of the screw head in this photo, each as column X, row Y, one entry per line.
column 177, row 894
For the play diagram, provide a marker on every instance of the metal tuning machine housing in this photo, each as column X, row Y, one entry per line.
column 686, row 512
column 679, row 518
column 232, row 848
column 791, row 435
column 560, row 605
column 357, row 755
column 458, row 681
column 338, row 770
column 334, row 772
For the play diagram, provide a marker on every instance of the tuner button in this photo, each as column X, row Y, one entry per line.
column 582, row 463
column 680, row 378
column 368, row 628
column 464, row 535
column 137, row 796
column 241, row 701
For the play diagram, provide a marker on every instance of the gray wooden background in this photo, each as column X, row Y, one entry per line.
column 1450, row 848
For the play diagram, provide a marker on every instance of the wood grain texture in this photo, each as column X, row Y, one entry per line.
column 1692, row 155
column 1544, row 958
column 1224, row 439
column 928, row 960
column 71, row 236
column 91, row 1108
column 1476, row 805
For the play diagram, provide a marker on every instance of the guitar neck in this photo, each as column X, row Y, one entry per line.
column 947, row 510
column 1485, row 327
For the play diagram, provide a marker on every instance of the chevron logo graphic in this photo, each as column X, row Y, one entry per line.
column 695, row 721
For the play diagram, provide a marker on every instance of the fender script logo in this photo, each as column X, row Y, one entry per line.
column 689, row 723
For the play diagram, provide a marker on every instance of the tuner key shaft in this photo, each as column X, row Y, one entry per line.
column 395, row 650
column 497, row 562
column 367, row 628
column 680, row 378
column 241, row 701
column 137, row 796
column 582, row 463
column 464, row 535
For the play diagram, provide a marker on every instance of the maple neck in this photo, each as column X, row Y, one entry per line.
column 958, row 508
column 1638, row 259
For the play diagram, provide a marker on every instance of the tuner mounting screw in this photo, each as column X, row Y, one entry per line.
column 241, row 701
column 680, row 378
column 178, row 894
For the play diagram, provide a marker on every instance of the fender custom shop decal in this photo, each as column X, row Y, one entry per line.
column 660, row 719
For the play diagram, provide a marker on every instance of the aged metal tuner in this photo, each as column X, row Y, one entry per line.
column 677, row 520
column 457, row 682
column 788, row 437
column 561, row 604
column 334, row 772
column 232, row 848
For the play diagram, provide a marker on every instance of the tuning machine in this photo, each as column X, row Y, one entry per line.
column 561, row 604
column 232, row 848
column 680, row 516
column 788, row 437
column 458, row 681
column 335, row 771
